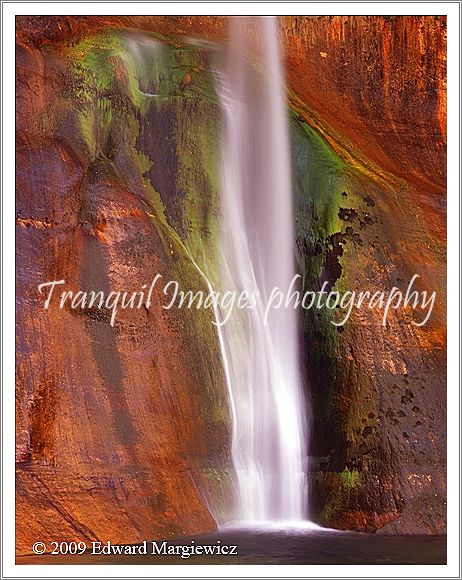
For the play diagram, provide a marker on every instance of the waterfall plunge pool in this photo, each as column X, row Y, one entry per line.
column 273, row 545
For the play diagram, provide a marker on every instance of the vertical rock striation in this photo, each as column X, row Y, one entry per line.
column 123, row 432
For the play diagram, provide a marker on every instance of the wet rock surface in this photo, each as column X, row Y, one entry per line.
column 123, row 432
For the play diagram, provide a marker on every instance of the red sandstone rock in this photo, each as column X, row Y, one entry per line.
column 115, row 428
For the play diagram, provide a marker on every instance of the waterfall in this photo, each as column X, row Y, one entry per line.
column 257, row 246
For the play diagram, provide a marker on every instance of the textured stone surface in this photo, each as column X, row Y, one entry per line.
column 119, row 430
column 378, row 392
column 123, row 433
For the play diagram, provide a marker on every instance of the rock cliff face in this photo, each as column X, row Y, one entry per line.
column 123, row 432
column 378, row 392
column 120, row 430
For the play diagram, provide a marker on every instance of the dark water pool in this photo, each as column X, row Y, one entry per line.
column 276, row 547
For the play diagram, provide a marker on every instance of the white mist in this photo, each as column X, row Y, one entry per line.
column 257, row 245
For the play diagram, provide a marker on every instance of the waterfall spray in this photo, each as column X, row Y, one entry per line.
column 257, row 245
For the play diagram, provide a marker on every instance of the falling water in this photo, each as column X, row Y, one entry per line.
column 257, row 243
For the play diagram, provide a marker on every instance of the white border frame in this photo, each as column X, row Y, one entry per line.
column 9, row 11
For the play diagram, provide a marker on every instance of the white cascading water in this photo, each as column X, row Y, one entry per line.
column 257, row 243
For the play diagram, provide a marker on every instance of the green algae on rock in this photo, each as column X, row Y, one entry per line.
column 117, row 180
